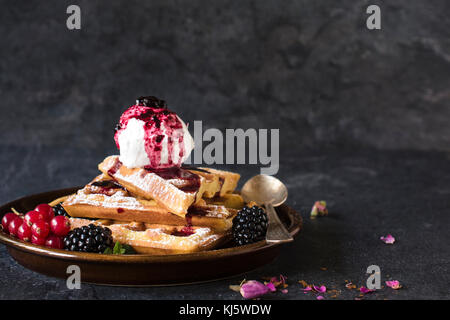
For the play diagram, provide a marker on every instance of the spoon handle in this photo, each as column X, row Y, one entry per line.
column 276, row 232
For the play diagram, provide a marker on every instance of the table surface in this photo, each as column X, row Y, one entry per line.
column 369, row 193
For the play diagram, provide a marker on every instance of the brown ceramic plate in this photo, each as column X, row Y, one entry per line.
column 142, row 269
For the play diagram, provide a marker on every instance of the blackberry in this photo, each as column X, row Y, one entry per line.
column 60, row 211
column 151, row 101
column 249, row 225
column 89, row 238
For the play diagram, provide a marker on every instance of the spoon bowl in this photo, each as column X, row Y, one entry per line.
column 268, row 191
column 264, row 189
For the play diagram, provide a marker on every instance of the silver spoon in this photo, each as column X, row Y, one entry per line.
column 270, row 192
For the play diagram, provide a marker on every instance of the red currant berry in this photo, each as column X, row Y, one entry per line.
column 24, row 232
column 54, row 242
column 32, row 217
column 60, row 225
column 46, row 210
column 6, row 220
column 40, row 229
column 14, row 225
column 37, row 240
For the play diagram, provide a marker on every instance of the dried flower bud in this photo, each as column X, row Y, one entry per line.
column 319, row 209
column 253, row 289
column 389, row 239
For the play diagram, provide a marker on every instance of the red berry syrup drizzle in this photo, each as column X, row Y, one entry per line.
column 160, row 124
column 191, row 181
column 194, row 211
column 115, row 168
column 185, row 232
column 107, row 186
column 188, row 229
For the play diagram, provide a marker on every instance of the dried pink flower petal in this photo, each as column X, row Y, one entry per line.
column 279, row 281
column 284, row 291
column 365, row 290
column 389, row 239
column 394, row 284
column 319, row 209
column 320, row 289
column 253, row 289
column 271, row 287
column 308, row 288
column 320, row 298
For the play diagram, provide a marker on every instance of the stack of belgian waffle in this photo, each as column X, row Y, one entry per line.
column 173, row 210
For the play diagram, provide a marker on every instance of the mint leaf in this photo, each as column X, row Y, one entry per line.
column 128, row 249
column 117, row 248
column 120, row 248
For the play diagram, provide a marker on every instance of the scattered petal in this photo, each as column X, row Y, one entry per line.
column 389, row 239
column 284, row 291
column 253, row 289
column 303, row 283
column 320, row 298
column 271, row 287
column 308, row 288
column 394, row 284
column 320, row 289
column 364, row 290
column 319, row 209
column 280, row 281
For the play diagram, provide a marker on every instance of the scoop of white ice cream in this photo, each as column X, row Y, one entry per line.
column 132, row 145
column 140, row 146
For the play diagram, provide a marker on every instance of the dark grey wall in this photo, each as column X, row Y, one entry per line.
column 310, row 68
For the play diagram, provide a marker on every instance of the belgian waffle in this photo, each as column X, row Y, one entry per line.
column 106, row 199
column 176, row 191
column 159, row 239
column 228, row 180
column 229, row 200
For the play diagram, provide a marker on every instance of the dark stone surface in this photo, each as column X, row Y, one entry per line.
column 370, row 194
column 310, row 68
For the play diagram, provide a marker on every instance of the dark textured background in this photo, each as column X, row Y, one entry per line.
column 363, row 117
column 309, row 67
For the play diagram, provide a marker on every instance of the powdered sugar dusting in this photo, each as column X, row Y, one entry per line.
column 159, row 236
column 118, row 199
